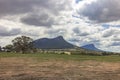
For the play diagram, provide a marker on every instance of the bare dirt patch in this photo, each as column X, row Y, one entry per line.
column 30, row 69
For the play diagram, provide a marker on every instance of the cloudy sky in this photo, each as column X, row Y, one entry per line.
column 80, row 22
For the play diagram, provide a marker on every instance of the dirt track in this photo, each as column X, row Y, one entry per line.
column 29, row 69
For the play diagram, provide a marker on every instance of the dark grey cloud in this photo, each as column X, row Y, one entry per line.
column 38, row 12
column 38, row 20
column 107, row 34
column 117, row 43
column 116, row 38
column 101, row 11
column 111, row 32
column 79, row 32
column 25, row 6
column 6, row 32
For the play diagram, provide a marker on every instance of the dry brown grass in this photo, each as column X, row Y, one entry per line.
column 30, row 69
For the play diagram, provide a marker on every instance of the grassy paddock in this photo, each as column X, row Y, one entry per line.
column 41, row 56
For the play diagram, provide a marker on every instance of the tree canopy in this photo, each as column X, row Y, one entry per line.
column 22, row 44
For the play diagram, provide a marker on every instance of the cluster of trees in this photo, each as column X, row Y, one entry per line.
column 0, row 49
column 21, row 44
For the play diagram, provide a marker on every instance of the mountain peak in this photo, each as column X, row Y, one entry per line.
column 54, row 43
column 91, row 47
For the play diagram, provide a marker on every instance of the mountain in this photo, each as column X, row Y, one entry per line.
column 91, row 47
column 54, row 43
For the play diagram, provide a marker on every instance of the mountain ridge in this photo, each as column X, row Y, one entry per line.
column 90, row 47
column 60, row 43
column 52, row 43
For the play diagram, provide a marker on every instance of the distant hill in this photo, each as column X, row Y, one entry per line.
column 91, row 47
column 54, row 43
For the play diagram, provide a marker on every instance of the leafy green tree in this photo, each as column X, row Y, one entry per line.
column 22, row 44
column 9, row 48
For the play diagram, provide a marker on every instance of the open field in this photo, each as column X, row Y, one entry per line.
column 58, row 67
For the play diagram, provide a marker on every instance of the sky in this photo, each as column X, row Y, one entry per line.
column 80, row 22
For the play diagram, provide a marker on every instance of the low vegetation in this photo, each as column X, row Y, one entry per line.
column 41, row 66
column 46, row 56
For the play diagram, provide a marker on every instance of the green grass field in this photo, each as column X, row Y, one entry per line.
column 41, row 56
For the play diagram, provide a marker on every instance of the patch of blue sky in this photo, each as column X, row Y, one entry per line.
column 77, row 1
column 106, row 26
